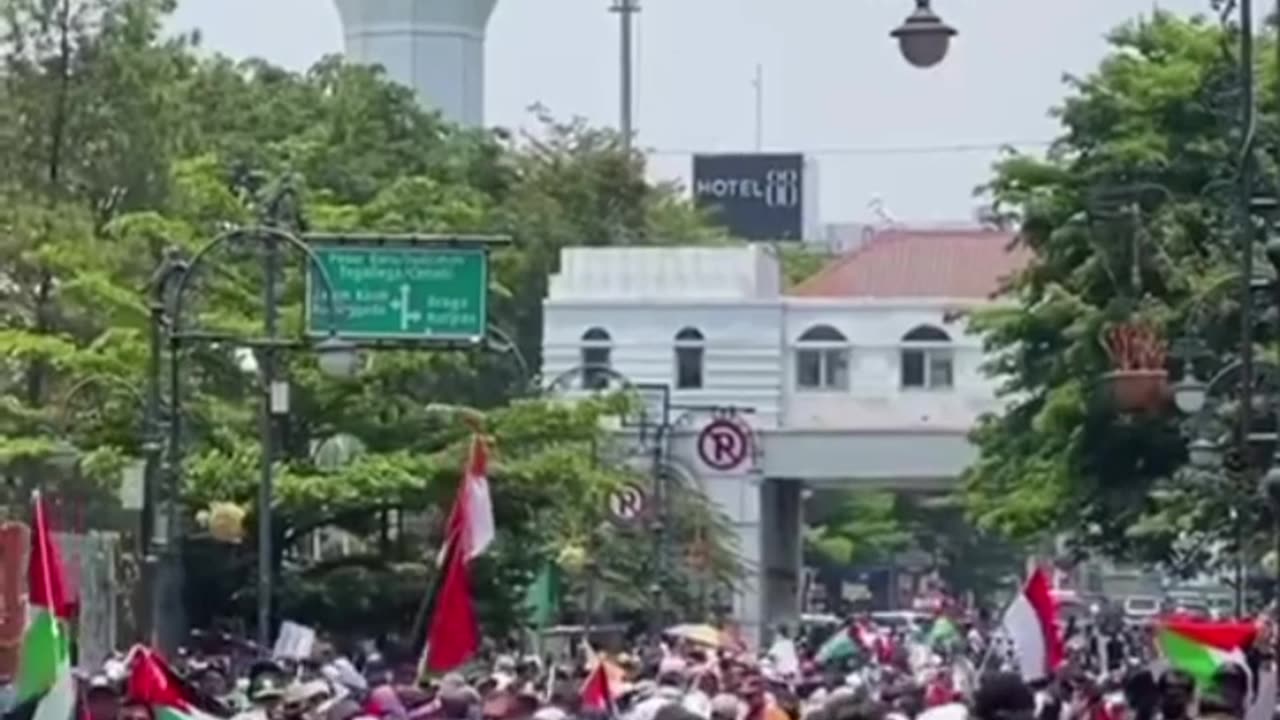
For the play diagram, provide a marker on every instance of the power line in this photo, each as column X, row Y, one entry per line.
column 950, row 149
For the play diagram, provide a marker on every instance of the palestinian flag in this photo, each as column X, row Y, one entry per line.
column 837, row 647
column 1200, row 648
column 600, row 689
column 46, row 689
column 154, row 684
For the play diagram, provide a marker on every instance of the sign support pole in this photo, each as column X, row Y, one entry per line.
column 266, row 361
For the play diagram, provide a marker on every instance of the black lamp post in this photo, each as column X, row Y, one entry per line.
column 336, row 357
column 923, row 38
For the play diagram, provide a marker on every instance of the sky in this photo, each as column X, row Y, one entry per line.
column 835, row 87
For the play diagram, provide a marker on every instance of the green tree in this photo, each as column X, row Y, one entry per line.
column 118, row 144
column 1129, row 217
column 862, row 527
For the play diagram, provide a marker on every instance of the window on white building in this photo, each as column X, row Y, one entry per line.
column 597, row 360
column 928, row 360
column 690, row 350
column 822, row 359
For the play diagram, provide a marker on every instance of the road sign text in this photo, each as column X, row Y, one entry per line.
column 402, row 293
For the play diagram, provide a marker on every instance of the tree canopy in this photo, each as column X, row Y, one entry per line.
column 118, row 143
column 1132, row 218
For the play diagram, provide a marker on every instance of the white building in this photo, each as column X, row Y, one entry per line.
column 863, row 374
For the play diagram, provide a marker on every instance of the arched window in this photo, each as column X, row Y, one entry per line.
column 690, row 350
column 822, row 359
column 597, row 361
column 927, row 358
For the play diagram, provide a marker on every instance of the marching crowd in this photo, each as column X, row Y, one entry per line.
column 856, row 673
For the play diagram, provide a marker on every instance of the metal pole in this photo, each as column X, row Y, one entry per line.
column 661, row 440
column 1239, row 569
column 266, row 362
column 1275, row 539
column 589, row 611
column 152, row 446
column 1249, row 120
column 625, row 9
column 164, row 480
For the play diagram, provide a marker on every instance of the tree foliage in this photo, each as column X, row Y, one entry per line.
column 870, row 528
column 117, row 143
column 1131, row 217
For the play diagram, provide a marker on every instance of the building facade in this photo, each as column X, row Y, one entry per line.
column 862, row 376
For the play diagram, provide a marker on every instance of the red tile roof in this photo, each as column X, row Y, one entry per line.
column 902, row 262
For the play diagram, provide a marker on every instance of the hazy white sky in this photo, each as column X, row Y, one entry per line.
column 835, row 86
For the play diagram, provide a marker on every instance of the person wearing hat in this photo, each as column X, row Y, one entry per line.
column 669, row 691
column 301, row 700
column 266, row 690
column 102, row 701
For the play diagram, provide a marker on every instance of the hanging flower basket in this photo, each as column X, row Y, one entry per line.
column 1139, row 382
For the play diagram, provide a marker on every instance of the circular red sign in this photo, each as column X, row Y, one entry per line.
column 724, row 444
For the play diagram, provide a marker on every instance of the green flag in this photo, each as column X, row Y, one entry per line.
column 943, row 633
column 542, row 600
column 837, row 647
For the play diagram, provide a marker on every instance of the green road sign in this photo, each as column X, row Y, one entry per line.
column 406, row 292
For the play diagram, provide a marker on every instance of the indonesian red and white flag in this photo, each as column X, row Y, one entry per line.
column 1031, row 622
column 471, row 519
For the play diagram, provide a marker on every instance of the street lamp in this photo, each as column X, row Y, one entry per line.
column 335, row 356
column 1204, row 454
column 923, row 38
column 1189, row 395
column 1205, row 402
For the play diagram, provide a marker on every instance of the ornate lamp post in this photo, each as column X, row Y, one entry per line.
column 335, row 356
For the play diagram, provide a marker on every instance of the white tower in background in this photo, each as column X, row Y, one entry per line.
column 435, row 47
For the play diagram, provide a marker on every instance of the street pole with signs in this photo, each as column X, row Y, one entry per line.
column 363, row 290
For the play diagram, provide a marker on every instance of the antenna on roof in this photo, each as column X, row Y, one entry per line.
column 877, row 208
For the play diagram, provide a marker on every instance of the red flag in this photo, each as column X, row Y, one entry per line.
column 152, row 683
column 46, row 576
column 596, row 693
column 453, row 635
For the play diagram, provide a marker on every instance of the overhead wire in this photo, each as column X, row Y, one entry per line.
column 854, row 150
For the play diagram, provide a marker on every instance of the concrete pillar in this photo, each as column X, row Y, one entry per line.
column 434, row 47
column 781, row 512
column 739, row 496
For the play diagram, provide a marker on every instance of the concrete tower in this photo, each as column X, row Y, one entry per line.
column 435, row 47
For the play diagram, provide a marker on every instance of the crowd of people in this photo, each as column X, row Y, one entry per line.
column 889, row 675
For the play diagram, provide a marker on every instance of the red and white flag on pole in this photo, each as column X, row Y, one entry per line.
column 453, row 635
column 471, row 519
column 1031, row 621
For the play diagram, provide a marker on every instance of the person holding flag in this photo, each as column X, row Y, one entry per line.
column 453, row 632
column 46, row 688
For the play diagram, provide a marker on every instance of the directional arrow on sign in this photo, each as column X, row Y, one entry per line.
column 407, row 315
